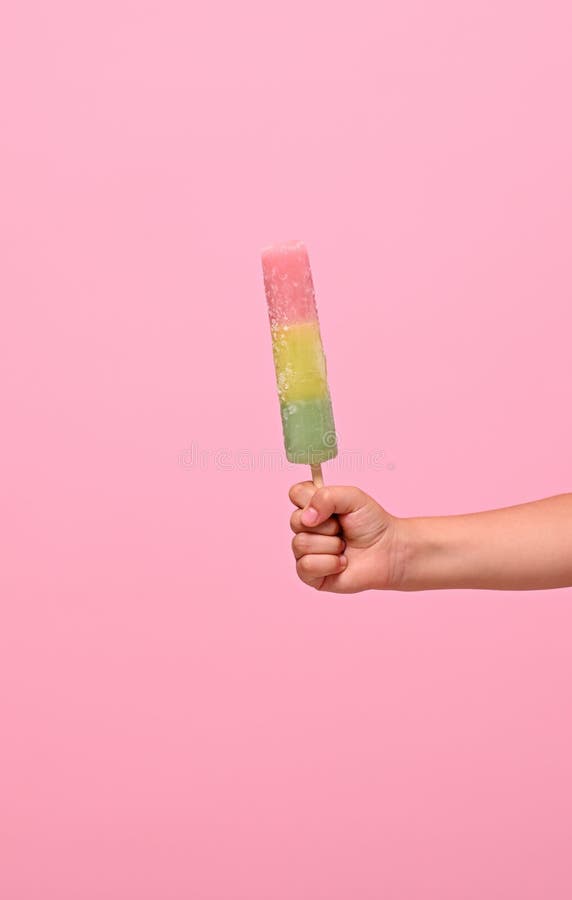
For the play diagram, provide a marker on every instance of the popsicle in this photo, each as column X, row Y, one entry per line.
column 299, row 361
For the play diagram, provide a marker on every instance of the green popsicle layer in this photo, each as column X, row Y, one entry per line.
column 309, row 431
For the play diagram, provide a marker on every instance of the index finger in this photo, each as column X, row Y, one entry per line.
column 300, row 494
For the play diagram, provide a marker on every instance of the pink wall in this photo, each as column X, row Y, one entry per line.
column 180, row 718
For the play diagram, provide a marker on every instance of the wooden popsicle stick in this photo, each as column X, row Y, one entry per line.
column 317, row 476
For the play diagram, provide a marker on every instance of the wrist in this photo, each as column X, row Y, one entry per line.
column 428, row 555
column 402, row 556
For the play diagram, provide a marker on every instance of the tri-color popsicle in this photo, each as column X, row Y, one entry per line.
column 305, row 404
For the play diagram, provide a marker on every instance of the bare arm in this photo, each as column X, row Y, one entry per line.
column 526, row 547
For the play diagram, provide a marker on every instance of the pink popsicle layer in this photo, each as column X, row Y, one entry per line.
column 288, row 284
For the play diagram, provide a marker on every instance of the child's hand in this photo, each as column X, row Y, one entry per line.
column 344, row 541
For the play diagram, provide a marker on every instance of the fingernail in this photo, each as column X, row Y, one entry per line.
column 343, row 561
column 310, row 516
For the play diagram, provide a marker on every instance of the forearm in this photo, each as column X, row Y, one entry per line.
column 526, row 547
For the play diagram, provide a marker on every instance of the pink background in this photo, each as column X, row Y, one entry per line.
column 180, row 717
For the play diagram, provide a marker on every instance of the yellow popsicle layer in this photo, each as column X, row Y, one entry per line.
column 299, row 362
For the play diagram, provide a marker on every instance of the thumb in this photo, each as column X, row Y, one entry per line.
column 331, row 500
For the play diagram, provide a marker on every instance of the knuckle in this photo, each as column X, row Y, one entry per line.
column 295, row 521
column 304, row 566
column 298, row 543
column 302, row 542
